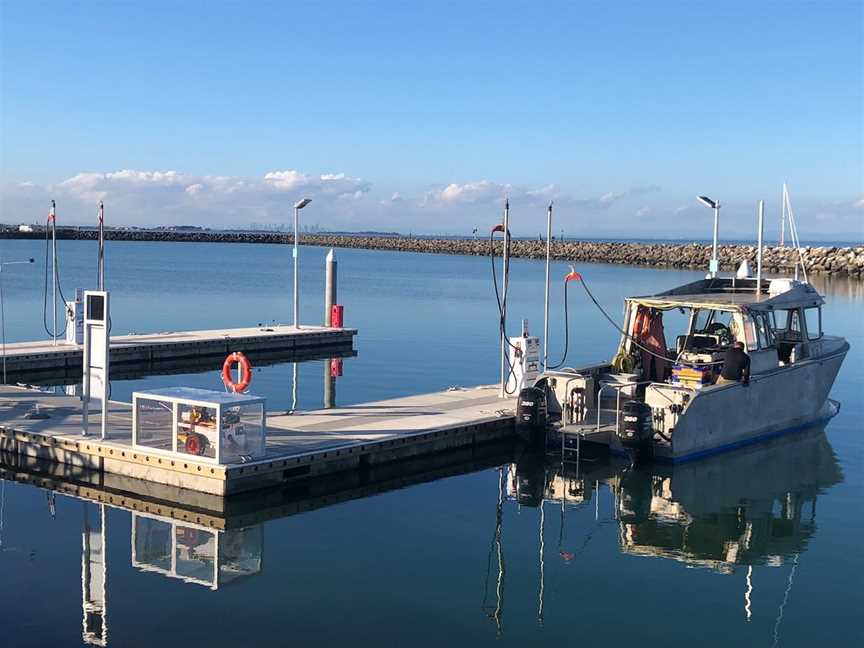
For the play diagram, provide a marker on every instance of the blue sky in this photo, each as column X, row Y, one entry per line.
column 422, row 116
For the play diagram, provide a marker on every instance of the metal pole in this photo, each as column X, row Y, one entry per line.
column 504, row 273
column 296, row 267
column 52, row 221
column 329, row 287
column 783, row 217
column 759, row 253
column 546, row 299
column 100, row 283
column 294, row 388
column 3, row 310
column 716, row 228
column 329, row 385
column 3, row 322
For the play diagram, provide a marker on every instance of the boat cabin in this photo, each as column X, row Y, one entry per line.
column 779, row 324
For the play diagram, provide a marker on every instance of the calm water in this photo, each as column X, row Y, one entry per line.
column 759, row 548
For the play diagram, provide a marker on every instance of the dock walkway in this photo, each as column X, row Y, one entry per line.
column 299, row 445
column 38, row 361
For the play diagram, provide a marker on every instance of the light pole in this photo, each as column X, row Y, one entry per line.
column 715, row 205
column 546, row 298
column 297, row 207
column 3, row 264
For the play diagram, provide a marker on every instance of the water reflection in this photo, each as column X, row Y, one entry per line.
column 755, row 507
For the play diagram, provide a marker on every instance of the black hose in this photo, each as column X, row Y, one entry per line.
column 502, row 305
column 633, row 340
column 566, row 330
column 56, row 268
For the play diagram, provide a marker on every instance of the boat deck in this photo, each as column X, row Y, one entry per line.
column 41, row 360
column 298, row 445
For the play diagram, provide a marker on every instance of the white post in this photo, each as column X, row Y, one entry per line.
column 3, row 310
column 759, row 253
column 52, row 221
column 329, row 287
column 100, row 283
column 504, row 272
column 546, row 298
column 96, row 359
column 3, row 322
column 296, row 267
column 716, row 261
column 783, row 217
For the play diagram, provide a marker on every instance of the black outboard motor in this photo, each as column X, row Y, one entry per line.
column 531, row 415
column 636, row 430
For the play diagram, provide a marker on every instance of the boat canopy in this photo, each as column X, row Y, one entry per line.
column 727, row 294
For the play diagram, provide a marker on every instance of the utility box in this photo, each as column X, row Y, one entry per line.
column 75, row 319
column 524, row 361
column 197, row 423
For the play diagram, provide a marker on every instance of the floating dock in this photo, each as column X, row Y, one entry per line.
column 38, row 362
column 298, row 446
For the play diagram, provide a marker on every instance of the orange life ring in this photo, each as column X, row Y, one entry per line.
column 245, row 369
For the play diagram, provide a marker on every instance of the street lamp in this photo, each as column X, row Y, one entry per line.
column 3, row 264
column 715, row 205
column 297, row 207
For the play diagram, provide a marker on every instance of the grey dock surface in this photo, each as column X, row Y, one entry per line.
column 40, row 361
column 299, row 446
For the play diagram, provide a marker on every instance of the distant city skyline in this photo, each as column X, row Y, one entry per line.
column 405, row 118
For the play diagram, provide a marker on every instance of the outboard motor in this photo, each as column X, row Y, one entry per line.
column 531, row 415
column 636, row 430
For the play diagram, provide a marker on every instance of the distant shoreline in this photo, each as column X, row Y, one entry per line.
column 826, row 260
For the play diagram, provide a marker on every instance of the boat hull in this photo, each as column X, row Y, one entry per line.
column 724, row 417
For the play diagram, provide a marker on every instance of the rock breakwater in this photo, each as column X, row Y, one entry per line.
column 826, row 260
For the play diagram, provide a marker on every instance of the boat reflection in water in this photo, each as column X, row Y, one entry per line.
column 751, row 507
column 755, row 506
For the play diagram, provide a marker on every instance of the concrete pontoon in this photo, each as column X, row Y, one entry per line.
column 152, row 352
column 298, row 445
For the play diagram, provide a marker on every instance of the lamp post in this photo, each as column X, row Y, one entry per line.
column 3, row 264
column 715, row 205
column 546, row 298
column 297, row 207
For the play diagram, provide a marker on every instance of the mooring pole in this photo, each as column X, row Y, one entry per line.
column 505, row 267
column 52, row 222
column 546, row 298
column 329, row 385
column 100, row 280
column 759, row 253
column 330, row 297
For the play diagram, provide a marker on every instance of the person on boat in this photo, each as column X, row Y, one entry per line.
column 736, row 366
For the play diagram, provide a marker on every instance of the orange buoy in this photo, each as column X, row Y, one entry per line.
column 245, row 372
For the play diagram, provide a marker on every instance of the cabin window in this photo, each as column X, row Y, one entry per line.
column 763, row 330
column 749, row 333
column 702, row 319
column 813, row 317
column 793, row 328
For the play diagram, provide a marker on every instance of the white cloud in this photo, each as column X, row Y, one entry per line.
column 858, row 204
column 486, row 192
column 334, row 184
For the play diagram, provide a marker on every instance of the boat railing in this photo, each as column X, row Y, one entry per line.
column 617, row 386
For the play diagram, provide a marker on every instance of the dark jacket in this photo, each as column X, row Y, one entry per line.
column 736, row 365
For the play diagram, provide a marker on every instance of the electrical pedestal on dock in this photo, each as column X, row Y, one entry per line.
column 97, row 339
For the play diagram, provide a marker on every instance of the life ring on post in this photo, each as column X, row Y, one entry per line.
column 245, row 372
